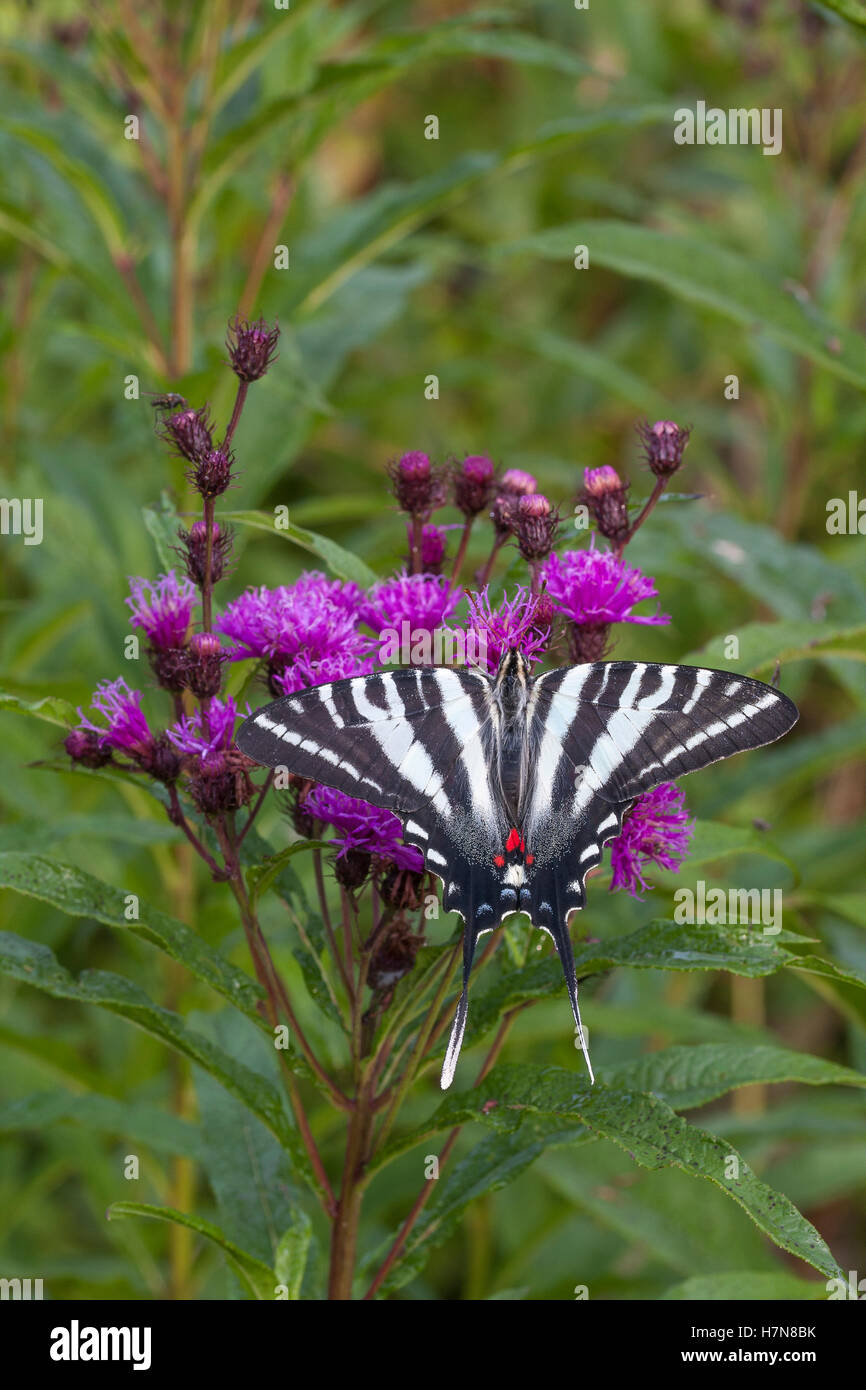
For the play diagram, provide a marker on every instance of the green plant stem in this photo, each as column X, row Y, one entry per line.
column 445, row 1153
column 461, row 550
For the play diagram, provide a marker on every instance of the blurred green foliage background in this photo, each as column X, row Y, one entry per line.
column 454, row 257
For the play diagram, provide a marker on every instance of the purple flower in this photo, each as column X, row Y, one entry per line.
column 316, row 617
column 423, row 601
column 657, row 830
column 516, row 624
column 127, row 729
column 207, row 734
column 362, row 828
column 307, row 671
column 594, row 586
column 162, row 608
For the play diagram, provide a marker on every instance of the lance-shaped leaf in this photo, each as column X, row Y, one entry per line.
column 660, row 945
column 340, row 562
column 648, row 1130
column 254, row 1275
column 79, row 894
column 291, row 1257
column 143, row 1123
column 687, row 1076
column 711, row 277
column 36, row 965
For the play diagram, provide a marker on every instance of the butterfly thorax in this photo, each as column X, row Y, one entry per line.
column 511, row 693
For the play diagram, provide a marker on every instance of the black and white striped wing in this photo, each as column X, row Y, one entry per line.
column 608, row 731
column 415, row 741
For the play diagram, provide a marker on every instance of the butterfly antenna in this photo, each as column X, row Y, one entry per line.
column 458, row 1028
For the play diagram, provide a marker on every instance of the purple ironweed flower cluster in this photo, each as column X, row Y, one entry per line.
column 318, row 629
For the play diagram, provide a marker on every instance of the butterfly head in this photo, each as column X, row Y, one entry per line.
column 512, row 683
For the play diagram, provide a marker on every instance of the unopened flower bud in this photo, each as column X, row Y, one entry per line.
column 169, row 665
column 351, row 869
column 535, row 526
column 189, row 433
column 193, row 547
column 473, row 484
column 161, row 760
column 513, row 485
column 605, row 496
column 86, row 747
column 251, row 347
column 664, row 443
column 204, row 665
column 212, row 473
column 394, row 956
column 417, row 485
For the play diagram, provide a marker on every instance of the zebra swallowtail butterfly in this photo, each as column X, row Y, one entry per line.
column 512, row 786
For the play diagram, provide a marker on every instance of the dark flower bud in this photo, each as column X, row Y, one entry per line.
column 473, row 484
column 394, row 956
column 403, row 888
column 605, row 496
column 294, row 807
column 351, row 869
column 189, row 433
column 193, row 546
column 222, row 784
column 161, row 760
column 205, row 659
column 251, row 347
column 169, row 665
column 417, row 485
column 85, row 746
column 212, row 473
column 535, row 526
column 664, row 443
column 513, row 485
column 544, row 612
column 588, row 641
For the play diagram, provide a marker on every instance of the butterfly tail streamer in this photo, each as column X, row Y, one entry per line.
column 458, row 1028
column 562, row 939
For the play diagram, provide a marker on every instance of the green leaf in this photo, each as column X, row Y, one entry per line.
column 648, row 1130
column 341, row 562
column 714, row 840
column 291, row 1257
column 261, row 876
column 35, row 965
column 852, row 10
column 79, row 894
column 248, row 1171
column 660, row 945
column 162, row 523
column 684, row 1077
column 498, row 1160
column 52, row 709
column 256, row 1277
column 745, row 1285
column 762, row 645
column 90, row 189
column 144, row 1124
column 711, row 277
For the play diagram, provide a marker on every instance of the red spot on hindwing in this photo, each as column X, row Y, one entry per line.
column 499, row 860
column 530, row 858
column 513, row 840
